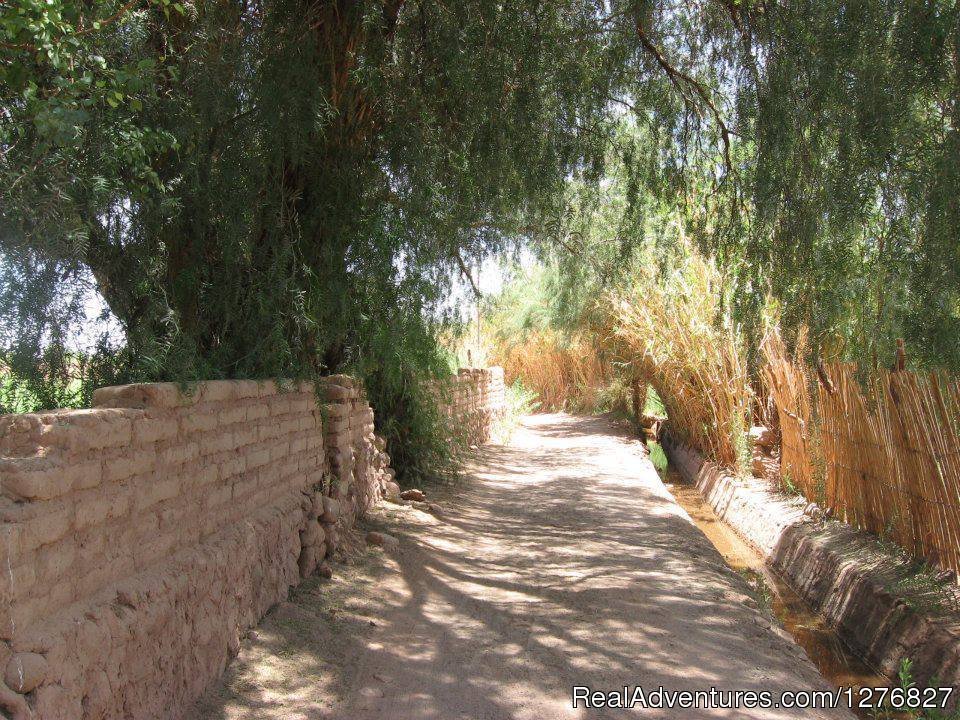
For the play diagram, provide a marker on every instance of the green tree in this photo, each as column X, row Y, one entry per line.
column 285, row 187
column 324, row 167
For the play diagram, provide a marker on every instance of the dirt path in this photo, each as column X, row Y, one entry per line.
column 560, row 560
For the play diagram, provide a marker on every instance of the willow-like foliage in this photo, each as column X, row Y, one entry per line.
column 286, row 187
column 313, row 174
column 855, row 172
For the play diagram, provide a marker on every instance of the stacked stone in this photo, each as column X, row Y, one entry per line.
column 478, row 402
column 473, row 401
column 313, row 536
column 341, row 397
column 141, row 538
column 471, row 408
column 385, row 474
column 496, row 397
column 496, row 390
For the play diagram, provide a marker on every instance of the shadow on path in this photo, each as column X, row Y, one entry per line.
column 560, row 560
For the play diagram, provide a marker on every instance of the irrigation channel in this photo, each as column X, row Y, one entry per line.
column 838, row 665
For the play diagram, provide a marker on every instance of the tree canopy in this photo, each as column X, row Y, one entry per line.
column 287, row 187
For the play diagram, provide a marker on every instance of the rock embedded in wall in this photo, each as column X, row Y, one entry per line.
column 381, row 539
column 25, row 672
column 391, row 491
column 765, row 454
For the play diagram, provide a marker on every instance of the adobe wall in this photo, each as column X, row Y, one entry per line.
column 141, row 538
column 475, row 401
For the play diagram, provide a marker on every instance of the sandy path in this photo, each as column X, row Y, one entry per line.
column 560, row 560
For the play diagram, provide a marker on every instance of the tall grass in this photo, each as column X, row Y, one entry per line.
column 68, row 386
column 535, row 329
column 674, row 331
column 519, row 402
column 566, row 373
column 670, row 331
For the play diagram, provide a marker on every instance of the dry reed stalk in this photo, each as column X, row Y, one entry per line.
column 892, row 456
column 563, row 372
column 890, row 449
column 671, row 335
column 787, row 382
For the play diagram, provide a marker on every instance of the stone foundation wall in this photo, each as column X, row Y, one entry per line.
column 142, row 537
column 474, row 400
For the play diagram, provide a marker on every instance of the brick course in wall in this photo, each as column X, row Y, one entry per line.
column 141, row 538
column 474, row 400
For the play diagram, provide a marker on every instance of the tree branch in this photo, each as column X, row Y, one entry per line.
column 124, row 9
column 681, row 80
column 466, row 272
column 391, row 14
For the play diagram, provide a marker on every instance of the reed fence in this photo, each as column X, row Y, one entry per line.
column 789, row 385
column 880, row 448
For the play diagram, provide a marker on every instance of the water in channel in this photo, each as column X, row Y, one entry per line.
column 836, row 663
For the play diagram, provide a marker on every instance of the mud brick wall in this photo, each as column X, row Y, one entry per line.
column 141, row 538
column 359, row 466
column 474, row 400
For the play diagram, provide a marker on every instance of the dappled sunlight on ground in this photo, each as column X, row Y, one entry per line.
column 559, row 560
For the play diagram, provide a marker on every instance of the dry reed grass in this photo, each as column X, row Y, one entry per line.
column 889, row 448
column 566, row 373
column 674, row 334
